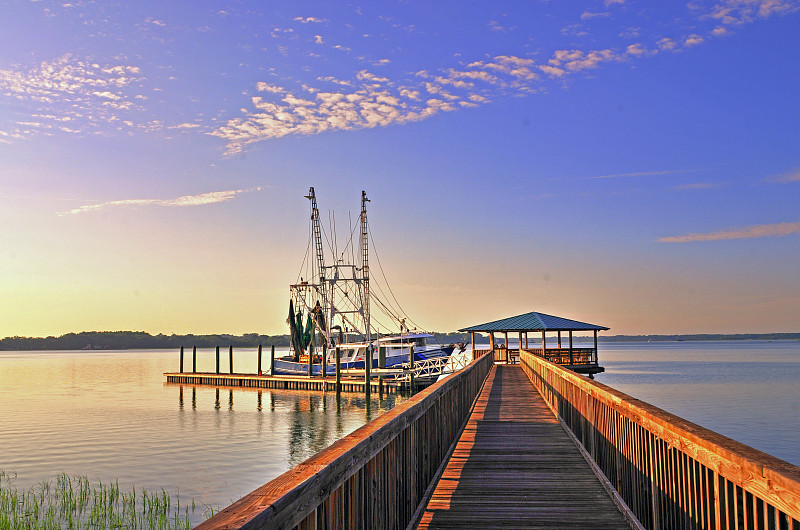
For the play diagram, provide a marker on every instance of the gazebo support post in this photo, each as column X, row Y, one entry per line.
column 508, row 356
column 559, row 340
column 544, row 345
column 571, row 362
column 472, row 340
column 594, row 357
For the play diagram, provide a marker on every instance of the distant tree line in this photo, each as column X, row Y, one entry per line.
column 700, row 337
column 140, row 340
column 135, row 340
column 130, row 340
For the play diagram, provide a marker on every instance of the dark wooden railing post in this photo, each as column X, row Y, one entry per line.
column 217, row 359
column 181, row 359
column 194, row 359
column 259, row 359
column 230, row 356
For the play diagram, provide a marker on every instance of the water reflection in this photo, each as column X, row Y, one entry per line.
column 315, row 420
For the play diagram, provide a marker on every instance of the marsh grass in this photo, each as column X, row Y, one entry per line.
column 75, row 503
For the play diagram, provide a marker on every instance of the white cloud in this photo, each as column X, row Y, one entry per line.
column 308, row 20
column 70, row 89
column 736, row 12
column 750, row 232
column 186, row 200
column 693, row 40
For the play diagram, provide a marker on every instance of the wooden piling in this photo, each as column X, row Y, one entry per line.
column 338, row 370
column 411, row 367
column 324, row 358
column 259, row 359
column 367, row 368
column 311, row 354
column 194, row 359
column 230, row 357
column 272, row 360
column 181, row 359
column 217, row 359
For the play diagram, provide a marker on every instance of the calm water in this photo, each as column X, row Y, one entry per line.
column 746, row 390
column 110, row 415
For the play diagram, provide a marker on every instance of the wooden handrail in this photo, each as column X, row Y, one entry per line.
column 372, row 478
column 671, row 472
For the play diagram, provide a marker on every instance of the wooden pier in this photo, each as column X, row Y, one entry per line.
column 285, row 382
column 514, row 466
column 480, row 449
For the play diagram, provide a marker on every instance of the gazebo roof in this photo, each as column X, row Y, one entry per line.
column 535, row 322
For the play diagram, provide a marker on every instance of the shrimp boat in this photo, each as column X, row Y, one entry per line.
column 330, row 310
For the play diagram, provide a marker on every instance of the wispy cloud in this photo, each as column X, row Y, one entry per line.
column 186, row 200
column 696, row 186
column 638, row 174
column 750, row 232
column 792, row 176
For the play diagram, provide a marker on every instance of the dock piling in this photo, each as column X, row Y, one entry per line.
column 272, row 360
column 230, row 357
column 338, row 370
column 181, row 359
column 194, row 359
column 367, row 368
column 259, row 359
column 217, row 359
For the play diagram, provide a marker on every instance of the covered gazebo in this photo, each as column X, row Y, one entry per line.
column 582, row 360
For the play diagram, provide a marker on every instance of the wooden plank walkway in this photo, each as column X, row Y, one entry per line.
column 515, row 467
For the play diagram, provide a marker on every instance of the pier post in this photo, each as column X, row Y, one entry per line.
column 194, row 359
column 324, row 359
column 259, row 361
column 411, row 368
column 230, row 356
column 381, row 364
column 272, row 360
column 338, row 370
column 181, row 361
column 217, row 359
column 311, row 354
column 367, row 368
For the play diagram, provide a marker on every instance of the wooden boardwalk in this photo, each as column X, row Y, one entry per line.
column 515, row 467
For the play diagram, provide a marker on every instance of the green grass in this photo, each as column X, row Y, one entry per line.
column 75, row 503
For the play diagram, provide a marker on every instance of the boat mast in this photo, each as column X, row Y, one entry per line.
column 317, row 235
column 365, row 264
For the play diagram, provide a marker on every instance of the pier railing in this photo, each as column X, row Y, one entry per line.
column 670, row 472
column 377, row 476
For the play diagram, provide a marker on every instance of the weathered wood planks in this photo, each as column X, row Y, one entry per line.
column 671, row 472
column 515, row 467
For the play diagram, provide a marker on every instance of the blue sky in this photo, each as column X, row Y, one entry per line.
column 633, row 164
